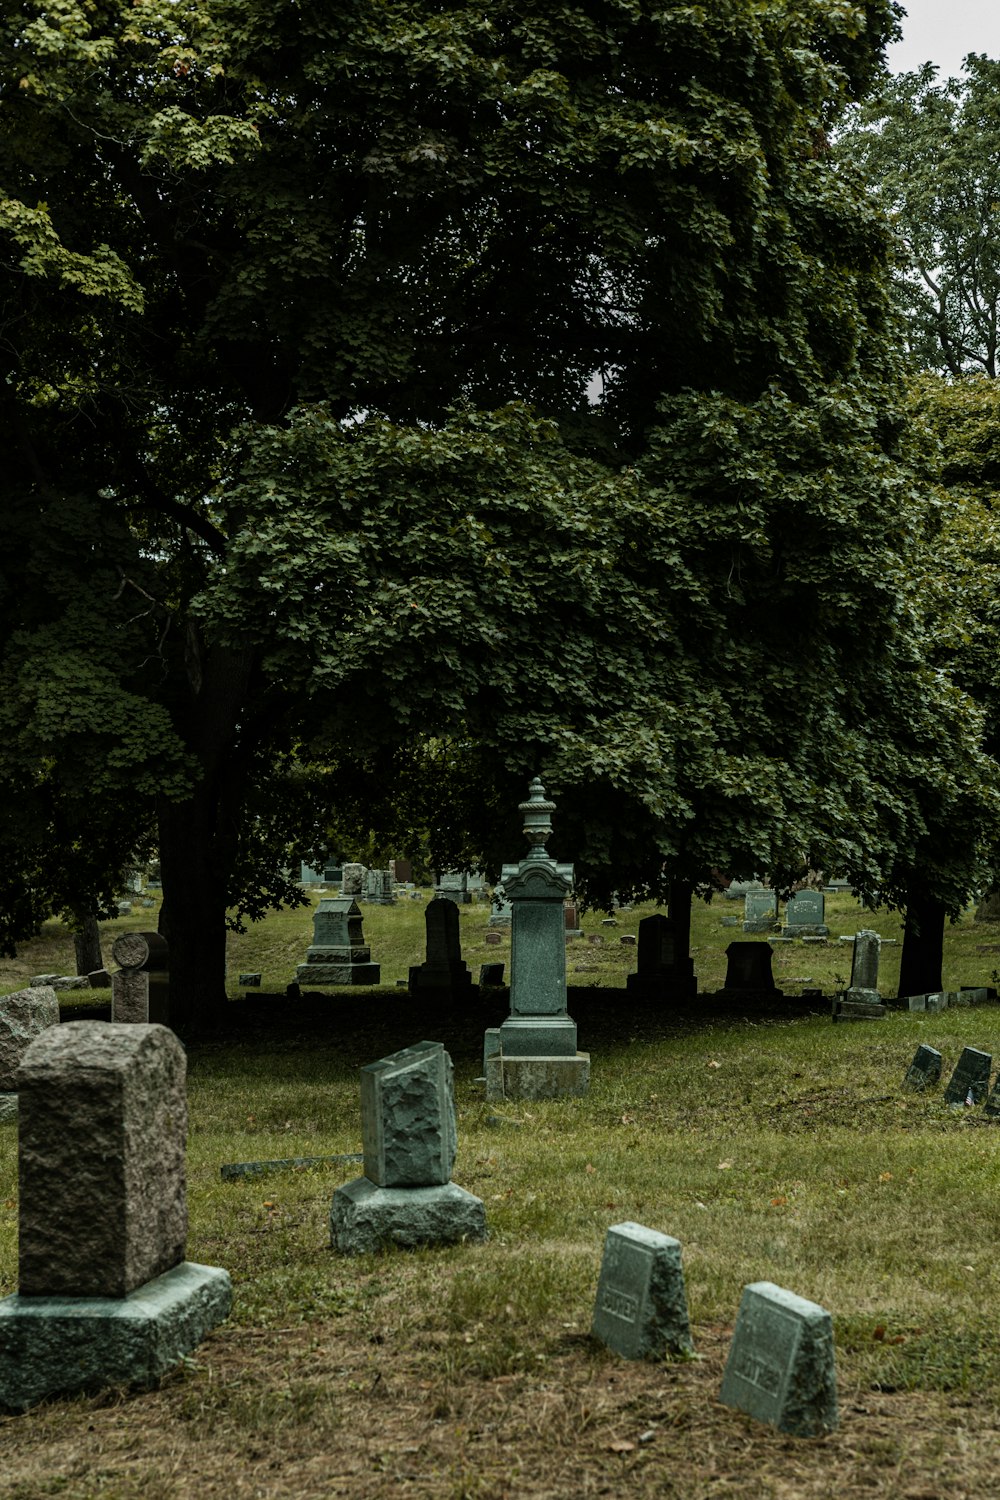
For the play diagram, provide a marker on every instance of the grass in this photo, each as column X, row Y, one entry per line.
column 773, row 1146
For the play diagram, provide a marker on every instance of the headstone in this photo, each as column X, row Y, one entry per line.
column 99, row 980
column 781, row 1367
column 970, row 1082
column 308, row 875
column 571, row 916
column 925, row 1068
column 443, row 975
column 408, row 1132
column 338, row 953
column 24, row 1015
column 490, row 974
column 402, row 871
column 737, row 890
column 354, row 880
column 748, row 969
column 140, row 990
column 250, row 981
column 628, row 940
column 974, row 994
column 760, row 911
column 124, row 908
column 105, row 1295
column 992, row 1106
column 936, row 1002
column 379, row 888
column 492, row 939
column 536, row 1056
column 453, row 885
column 501, row 910
column 861, row 1001
column 641, row 1307
column 805, row 915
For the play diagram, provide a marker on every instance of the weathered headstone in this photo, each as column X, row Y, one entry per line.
column 781, row 1366
column 992, row 1106
column 24, row 1015
column 453, row 885
column 408, row 1133
column 925, row 1068
column 641, row 1307
column 140, row 990
column 536, row 1055
column 970, row 1082
column 571, row 916
column 805, row 914
column 760, row 911
column 338, row 953
column 492, row 939
column 501, row 910
column 354, row 879
column 105, row 1295
column 748, row 969
column 861, row 1001
column 443, row 975
column 379, row 888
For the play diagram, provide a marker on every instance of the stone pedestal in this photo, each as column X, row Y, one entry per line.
column 105, row 1296
column 536, row 1077
column 338, row 953
column 140, row 990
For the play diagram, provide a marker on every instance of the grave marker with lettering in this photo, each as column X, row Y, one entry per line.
column 970, row 1082
column 925, row 1068
column 781, row 1368
column 641, row 1308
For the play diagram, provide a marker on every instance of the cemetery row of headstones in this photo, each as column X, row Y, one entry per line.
column 969, row 1084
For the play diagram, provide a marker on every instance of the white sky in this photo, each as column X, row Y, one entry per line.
column 944, row 32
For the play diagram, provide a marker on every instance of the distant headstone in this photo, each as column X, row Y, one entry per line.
column 970, row 1082
column 379, row 888
column 737, row 890
column 402, row 870
column 974, row 994
column 250, row 981
column 805, row 914
column 105, row 1295
column 861, row 1000
column 992, row 1106
column 925, row 1068
column 140, row 989
column 500, row 908
column 571, row 916
column 308, row 875
column 781, row 1366
column 443, row 975
column 492, row 939
column 628, row 940
column 760, row 911
column 453, row 885
column 748, row 968
column 354, row 879
column 24, row 1015
column 338, row 953
column 124, row 908
column 491, row 974
column 641, row 1308
column 408, row 1132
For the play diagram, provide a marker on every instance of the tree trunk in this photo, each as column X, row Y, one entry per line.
column 923, row 947
column 87, row 943
column 198, row 840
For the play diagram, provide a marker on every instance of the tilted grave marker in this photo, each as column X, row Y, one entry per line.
column 105, row 1295
column 408, row 1133
column 641, row 1307
column 970, row 1082
column 925, row 1068
column 781, row 1368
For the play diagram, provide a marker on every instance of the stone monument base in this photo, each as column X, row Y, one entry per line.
column 859, row 1005
column 8, row 1109
column 307, row 974
column 60, row 1345
column 536, row 1077
column 366, row 1218
column 662, row 987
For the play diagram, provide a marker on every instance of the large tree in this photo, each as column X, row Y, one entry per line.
column 283, row 260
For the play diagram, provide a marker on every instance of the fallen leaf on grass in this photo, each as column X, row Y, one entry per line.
column 589, row 1168
column 879, row 1332
column 885, row 1177
column 724, row 1166
column 621, row 1445
column 778, row 1202
column 714, row 1064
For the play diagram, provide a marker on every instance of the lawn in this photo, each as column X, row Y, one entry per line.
column 774, row 1146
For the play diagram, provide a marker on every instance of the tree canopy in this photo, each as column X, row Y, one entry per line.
column 279, row 285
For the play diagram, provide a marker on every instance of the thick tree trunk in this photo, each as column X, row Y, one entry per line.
column 87, row 943
column 198, row 842
column 920, row 969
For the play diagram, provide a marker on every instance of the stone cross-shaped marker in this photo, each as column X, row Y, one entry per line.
column 408, row 1132
column 641, row 1308
column 105, row 1295
column 780, row 1367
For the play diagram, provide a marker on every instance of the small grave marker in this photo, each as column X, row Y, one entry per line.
column 780, row 1368
column 970, row 1082
column 925, row 1068
column 641, row 1308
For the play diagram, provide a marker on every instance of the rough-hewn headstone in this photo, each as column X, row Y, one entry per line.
column 105, row 1295
column 970, row 1082
column 781, row 1366
column 354, row 879
column 408, row 1133
column 925, row 1068
column 379, row 888
column 24, row 1015
column 338, row 953
column 641, row 1307
column 443, row 975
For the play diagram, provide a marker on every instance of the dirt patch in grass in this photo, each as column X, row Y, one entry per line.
column 336, row 1409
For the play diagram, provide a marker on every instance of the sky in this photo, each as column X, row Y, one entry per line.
column 943, row 32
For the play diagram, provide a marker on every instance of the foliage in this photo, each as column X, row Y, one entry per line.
column 930, row 152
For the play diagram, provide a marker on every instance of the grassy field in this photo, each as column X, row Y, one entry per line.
column 775, row 1147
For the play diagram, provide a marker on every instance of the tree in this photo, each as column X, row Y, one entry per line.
column 930, row 153
column 285, row 259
